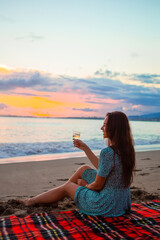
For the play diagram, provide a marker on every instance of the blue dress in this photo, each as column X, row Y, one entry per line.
column 114, row 199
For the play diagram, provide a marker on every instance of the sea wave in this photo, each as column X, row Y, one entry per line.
column 9, row 150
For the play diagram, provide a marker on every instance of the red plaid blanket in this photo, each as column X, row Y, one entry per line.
column 143, row 222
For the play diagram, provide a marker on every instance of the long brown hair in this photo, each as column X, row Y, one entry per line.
column 119, row 132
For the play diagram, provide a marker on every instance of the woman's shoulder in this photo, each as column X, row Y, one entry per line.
column 107, row 150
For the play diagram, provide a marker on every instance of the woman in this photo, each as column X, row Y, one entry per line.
column 106, row 190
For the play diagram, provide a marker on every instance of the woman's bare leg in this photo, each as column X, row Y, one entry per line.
column 54, row 195
column 78, row 174
column 58, row 193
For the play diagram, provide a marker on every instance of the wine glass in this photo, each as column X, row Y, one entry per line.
column 76, row 135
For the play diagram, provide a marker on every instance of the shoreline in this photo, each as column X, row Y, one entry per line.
column 67, row 155
column 26, row 179
column 44, row 157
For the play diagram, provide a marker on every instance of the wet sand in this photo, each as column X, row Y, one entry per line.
column 22, row 180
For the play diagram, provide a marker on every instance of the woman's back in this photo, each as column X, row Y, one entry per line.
column 111, row 163
column 113, row 199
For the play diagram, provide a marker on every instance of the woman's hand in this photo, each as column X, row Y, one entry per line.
column 81, row 182
column 79, row 144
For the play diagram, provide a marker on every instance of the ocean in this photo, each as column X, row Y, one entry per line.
column 37, row 139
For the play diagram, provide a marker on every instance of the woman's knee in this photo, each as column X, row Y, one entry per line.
column 78, row 173
column 83, row 168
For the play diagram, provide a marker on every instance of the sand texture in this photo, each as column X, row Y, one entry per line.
column 22, row 180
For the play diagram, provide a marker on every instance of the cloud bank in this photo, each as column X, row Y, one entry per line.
column 73, row 96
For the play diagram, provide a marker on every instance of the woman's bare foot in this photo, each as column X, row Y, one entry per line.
column 27, row 202
column 30, row 202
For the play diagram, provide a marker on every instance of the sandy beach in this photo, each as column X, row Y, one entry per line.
column 21, row 180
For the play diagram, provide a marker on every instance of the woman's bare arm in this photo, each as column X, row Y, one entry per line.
column 91, row 156
column 98, row 184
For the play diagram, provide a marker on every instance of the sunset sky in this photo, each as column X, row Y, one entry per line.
column 79, row 58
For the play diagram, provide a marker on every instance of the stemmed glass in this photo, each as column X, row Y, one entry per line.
column 76, row 135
